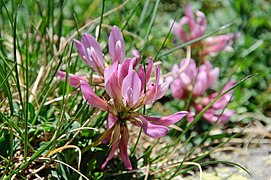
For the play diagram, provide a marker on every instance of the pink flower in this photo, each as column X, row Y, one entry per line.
column 215, row 111
column 194, row 79
column 189, row 27
column 213, row 45
column 125, row 86
column 212, row 73
column 116, row 45
column 90, row 51
column 128, row 88
column 197, row 80
column 192, row 26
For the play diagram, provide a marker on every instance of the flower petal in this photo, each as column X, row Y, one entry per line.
column 201, row 84
column 74, row 80
column 176, row 89
column 124, row 69
column 136, row 58
column 123, row 146
column 109, row 71
column 113, row 87
column 116, row 45
column 90, row 51
column 111, row 120
column 114, row 148
column 152, row 130
column 131, row 88
column 90, row 96
column 167, row 120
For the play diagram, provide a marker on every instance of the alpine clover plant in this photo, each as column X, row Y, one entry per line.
column 127, row 88
column 199, row 76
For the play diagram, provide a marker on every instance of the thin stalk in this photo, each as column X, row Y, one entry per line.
column 15, row 56
column 143, row 13
column 137, row 140
column 151, row 24
column 101, row 21
column 26, row 98
column 176, row 15
column 63, row 109
column 131, row 15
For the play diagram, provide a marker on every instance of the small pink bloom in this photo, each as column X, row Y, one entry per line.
column 177, row 89
column 195, row 79
column 136, row 58
column 189, row 27
column 214, row 112
column 89, row 49
column 116, row 45
column 74, row 80
column 213, row 45
column 157, row 90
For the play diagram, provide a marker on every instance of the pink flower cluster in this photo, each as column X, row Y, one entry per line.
column 191, row 27
column 197, row 80
column 193, row 79
column 129, row 88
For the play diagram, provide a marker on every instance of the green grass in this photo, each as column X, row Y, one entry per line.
column 40, row 113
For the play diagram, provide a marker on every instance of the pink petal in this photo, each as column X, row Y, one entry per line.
column 123, row 148
column 200, row 25
column 213, row 76
column 190, row 116
column 150, row 94
column 61, row 74
column 90, row 96
column 81, row 51
column 74, row 80
column 113, row 87
column 191, row 69
column 109, row 71
column 167, row 120
column 124, row 69
column 136, row 58
column 175, row 28
column 227, row 114
column 141, row 75
column 90, row 51
column 201, row 84
column 177, row 89
column 116, row 45
column 114, row 147
column 162, row 89
column 184, row 36
column 155, row 91
column 131, row 88
column 152, row 130
column 111, row 120
column 190, row 15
